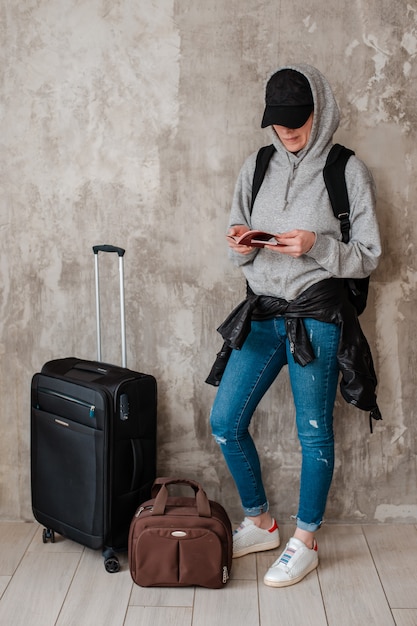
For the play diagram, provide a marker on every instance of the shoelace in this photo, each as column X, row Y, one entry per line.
column 289, row 552
column 286, row 556
column 240, row 527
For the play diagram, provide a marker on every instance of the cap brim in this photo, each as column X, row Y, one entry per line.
column 288, row 116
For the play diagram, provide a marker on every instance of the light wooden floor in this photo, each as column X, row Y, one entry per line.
column 367, row 576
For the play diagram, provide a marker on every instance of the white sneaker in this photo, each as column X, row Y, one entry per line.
column 294, row 563
column 249, row 538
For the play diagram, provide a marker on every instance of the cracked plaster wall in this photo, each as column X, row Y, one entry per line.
column 126, row 122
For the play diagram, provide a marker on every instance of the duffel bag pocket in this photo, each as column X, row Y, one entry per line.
column 173, row 557
column 200, row 559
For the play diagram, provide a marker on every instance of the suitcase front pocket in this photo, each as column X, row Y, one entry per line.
column 166, row 557
column 70, row 401
column 79, row 405
column 68, row 475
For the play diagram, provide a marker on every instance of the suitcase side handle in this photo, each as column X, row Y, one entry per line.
column 137, row 459
column 201, row 500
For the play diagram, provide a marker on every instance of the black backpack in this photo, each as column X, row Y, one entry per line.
column 334, row 178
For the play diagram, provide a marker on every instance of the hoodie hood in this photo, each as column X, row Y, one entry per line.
column 326, row 112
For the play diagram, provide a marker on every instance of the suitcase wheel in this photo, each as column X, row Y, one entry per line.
column 111, row 562
column 48, row 534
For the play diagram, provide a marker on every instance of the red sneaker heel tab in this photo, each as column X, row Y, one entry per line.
column 273, row 527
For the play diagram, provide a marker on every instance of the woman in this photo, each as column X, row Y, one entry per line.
column 306, row 265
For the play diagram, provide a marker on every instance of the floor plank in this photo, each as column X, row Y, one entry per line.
column 14, row 540
column 244, row 568
column 350, row 586
column 162, row 596
column 394, row 550
column 405, row 617
column 159, row 616
column 235, row 604
column 37, row 590
column 4, row 581
column 95, row 596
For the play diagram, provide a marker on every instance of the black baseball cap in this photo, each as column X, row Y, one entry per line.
column 288, row 98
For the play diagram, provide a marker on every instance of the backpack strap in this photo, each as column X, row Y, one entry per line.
column 334, row 178
column 262, row 161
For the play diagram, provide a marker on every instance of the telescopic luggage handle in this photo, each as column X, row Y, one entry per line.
column 120, row 253
column 107, row 248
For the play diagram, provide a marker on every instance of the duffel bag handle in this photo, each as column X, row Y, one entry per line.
column 160, row 493
column 158, row 482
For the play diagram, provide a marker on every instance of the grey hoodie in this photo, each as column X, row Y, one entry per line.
column 293, row 195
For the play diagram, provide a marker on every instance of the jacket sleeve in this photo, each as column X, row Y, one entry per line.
column 360, row 256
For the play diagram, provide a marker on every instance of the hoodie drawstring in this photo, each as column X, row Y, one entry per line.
column 293, row 167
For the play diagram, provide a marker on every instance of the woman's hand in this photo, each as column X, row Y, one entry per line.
column 234, row 232
column 295, row 242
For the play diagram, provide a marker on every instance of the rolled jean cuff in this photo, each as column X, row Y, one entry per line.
column 311, row 528
column 256, row 510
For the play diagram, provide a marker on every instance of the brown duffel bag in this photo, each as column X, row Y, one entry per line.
column 177, row 541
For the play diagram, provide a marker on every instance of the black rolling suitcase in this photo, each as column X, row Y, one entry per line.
column 93, row 444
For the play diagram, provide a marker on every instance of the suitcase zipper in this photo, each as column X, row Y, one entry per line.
column 63, row 396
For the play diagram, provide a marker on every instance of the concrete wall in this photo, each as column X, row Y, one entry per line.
column 126, row 122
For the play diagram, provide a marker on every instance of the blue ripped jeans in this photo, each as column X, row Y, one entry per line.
column 248, row 375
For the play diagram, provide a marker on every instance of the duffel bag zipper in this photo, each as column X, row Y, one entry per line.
column 91, row 408
column 143, row 508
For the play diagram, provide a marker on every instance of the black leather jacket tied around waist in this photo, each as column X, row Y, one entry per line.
column 325, row 301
